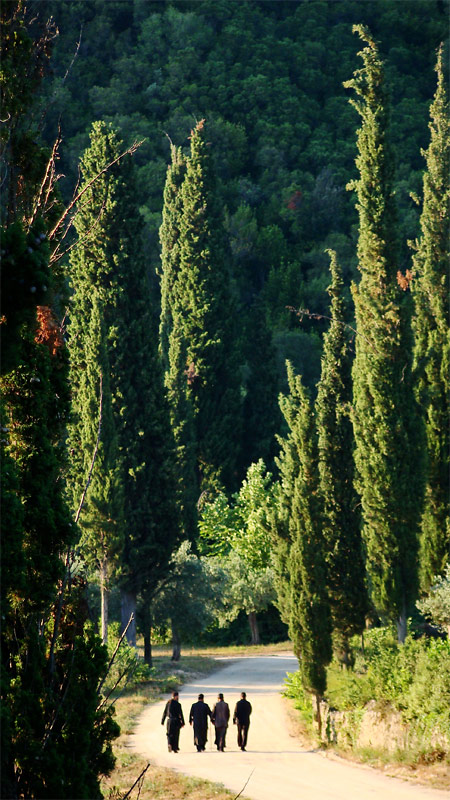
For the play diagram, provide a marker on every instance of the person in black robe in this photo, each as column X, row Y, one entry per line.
column 241, row 718
column 220, row 717
column 175, row 721
column 198, row 716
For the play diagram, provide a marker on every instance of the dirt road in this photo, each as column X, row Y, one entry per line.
column 276, row 765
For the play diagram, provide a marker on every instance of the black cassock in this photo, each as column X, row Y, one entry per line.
column 198, row 715
column 175, row 721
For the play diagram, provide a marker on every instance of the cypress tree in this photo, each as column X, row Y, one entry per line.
column 342, row 528
column 305, row 604
column 169, row 234
column 386, row 423
column 206, row 316
column 173, row 347
column 109, row 260
column 431, row 328
column 91, row 330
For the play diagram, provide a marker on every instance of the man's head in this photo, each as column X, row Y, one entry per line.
column 201, row 696
column 243, row 695
column 175, row 695
column 220, row 696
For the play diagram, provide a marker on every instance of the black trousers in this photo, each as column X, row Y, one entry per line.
column 220, row 737
column 242, row 734
column 173, row 734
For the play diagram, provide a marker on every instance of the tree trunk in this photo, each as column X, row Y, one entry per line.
column 104, row 600
column 318, row 716
column 254, row 630
column 147, row 625
column 127, row 608
column 176, row 644
column 402, row 625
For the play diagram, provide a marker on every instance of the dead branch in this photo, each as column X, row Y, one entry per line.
column 99, row 688
column 130, row 151
column 49, row 171
column 124, row 673
column 304, row 312
column 245, row 784
column 55, row 256
column 136, row 782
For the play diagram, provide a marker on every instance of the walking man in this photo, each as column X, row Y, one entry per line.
column 198, row 715
column 220, row 717
column 241, row 718
column 175, row 721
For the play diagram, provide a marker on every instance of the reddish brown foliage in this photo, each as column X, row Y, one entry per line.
column 404, row 280
column 49, row 331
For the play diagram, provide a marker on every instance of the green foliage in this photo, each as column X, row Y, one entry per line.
column 432, row 338
column 127, row 668
column 205, row 313
column 195, row 585
column 412, row 679
column 436, row 605
column 241, row 525
column 299, row 545
column 343, row 546
column 237, row 535
column 387, row 429
column 173, row 346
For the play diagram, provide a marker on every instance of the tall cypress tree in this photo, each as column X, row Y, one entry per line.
column 108, row 262
column 173, row 347
column 305, row 604
column 342, row 523
column 91, row 329
column 431, row 328
column 386, row 422
column 206, row 316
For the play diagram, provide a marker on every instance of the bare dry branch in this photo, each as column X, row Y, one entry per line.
column 304, row 312
column 48, row 179
column 55, row 256
column 136, row 782
column 245, row 784
column 130, row 151
column 100, row 686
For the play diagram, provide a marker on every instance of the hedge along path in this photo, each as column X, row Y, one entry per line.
column 276, row 764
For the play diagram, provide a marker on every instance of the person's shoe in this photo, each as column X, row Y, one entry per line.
column 243, row 748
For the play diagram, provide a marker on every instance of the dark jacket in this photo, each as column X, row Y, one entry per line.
column 199, row 713
column 221, row 714
column 173, row 712
column 242, row 712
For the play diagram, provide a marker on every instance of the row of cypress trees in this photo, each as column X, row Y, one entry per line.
column 354, row 470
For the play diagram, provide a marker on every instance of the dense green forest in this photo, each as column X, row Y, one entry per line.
column 225, row 345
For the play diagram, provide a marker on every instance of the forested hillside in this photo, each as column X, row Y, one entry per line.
column 268, row 77
column 225, row 347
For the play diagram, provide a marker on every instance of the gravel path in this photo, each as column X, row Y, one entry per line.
column 276, row 765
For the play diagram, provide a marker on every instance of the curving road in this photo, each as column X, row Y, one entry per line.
column 276, row 765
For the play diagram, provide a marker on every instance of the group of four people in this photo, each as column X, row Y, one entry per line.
column 198, row 717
